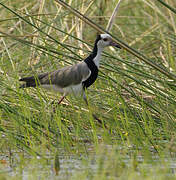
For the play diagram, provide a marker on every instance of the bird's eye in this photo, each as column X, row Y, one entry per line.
column 105, row 39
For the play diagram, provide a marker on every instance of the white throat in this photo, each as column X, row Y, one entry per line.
column 98, row 57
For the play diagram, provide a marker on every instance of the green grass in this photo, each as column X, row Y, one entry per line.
column 135, row 101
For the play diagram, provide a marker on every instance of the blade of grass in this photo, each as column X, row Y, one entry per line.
column 167, row 6
column 112, row 18
column 39, row 29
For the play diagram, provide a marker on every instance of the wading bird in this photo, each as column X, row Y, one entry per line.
column 76, row 78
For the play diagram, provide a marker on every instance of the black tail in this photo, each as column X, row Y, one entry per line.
column 29, row 82
column 32, row 81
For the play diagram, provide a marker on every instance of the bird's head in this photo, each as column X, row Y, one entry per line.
column 104, row 40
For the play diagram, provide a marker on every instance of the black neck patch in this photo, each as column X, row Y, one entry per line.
column 91, row 65
column 94, row 72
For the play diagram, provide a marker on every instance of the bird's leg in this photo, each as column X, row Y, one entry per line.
column 61, row 99
column 85, row 98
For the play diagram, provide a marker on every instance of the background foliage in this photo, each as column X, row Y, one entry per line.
column 135, row 102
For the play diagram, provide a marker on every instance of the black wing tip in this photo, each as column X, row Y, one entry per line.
column 23, row 85
column 27, row 85
column 28, row 82
column 31, row 78
column 21, row 79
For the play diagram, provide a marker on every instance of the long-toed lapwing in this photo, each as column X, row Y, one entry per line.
column 76, row 78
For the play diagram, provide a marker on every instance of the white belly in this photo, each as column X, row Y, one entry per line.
column 75, row 89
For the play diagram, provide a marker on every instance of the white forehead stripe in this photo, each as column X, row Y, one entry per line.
column 105, row 36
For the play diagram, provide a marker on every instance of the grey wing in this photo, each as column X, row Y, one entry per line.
column 70, row 75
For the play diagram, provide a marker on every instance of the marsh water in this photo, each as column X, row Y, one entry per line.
column 19, row 165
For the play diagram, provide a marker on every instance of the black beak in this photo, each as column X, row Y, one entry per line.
column 112, row 43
